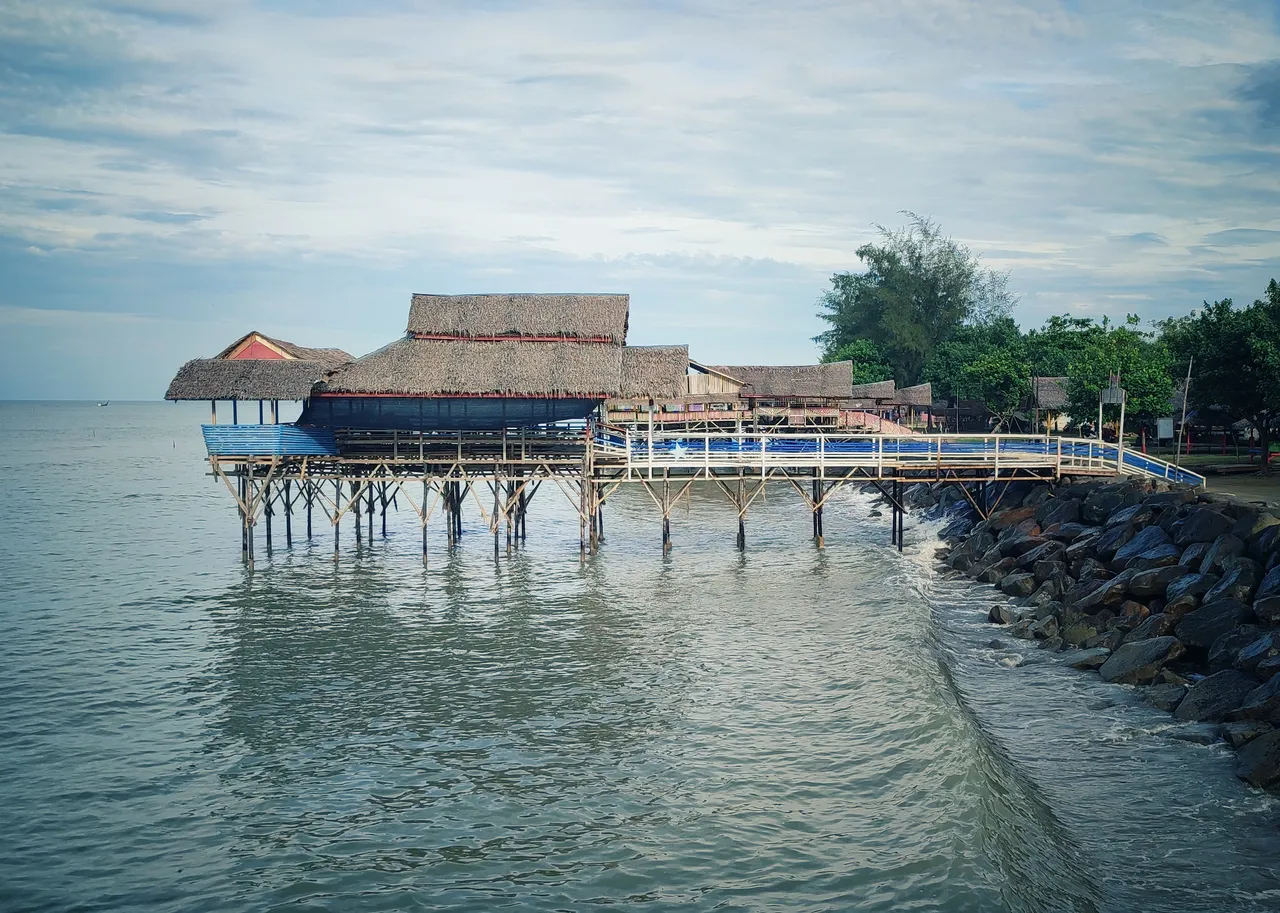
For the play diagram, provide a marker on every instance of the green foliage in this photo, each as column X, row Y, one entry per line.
column 998, row 378
column 1236, row 353
column 946, row 365
column 868, row 366
column 919, row 289
column 1139, row 357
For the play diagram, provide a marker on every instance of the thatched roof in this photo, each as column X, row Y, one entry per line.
column 826, row 381
column 880, row 391
column 1050, row 392
column 331, row 358
column 657, row 371
column 919, row 395
column 246, row 379
column 598, row 317
column 433, row 367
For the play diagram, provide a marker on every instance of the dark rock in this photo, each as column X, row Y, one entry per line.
column 1268, row 668
column 958, row 527
column 1109, row 639
column 1133, row 609
column 1203, row 525
column 1197, row 733
column 1172, row 498
column 1088, row 659
column 1155, row 582
column 1112, row 540
column 1021, row 629
column 1268, row 609
column 1152, row 626
column 1256, row 651
column 1194, row 554
column 1052, row 644
column 1018, row 584
column 1149, row 538
column 1141, row 662
column 1091, row 569
column 1049, row 591
column 1262, row 703
column 1039, row 494
column 1000, row 614
column 1046, row 551
column 1107, row 593
column 1043, row 570
column 1104, row 501
column 1212, row 698
column 1011, row 517
column 1259, row 761
column 1223, row 653
column 1081, row 548
column 1069, row 532
column 1161, row 556
column 1224, row 547
column 1019, row 544
column 1242, row 732
column 1078, row 634
column 1199, row 629
column 1264, row 543
column 1270, row 585
column 1044, row 628
column 1133, row 515
column 1058, row 511
column 1044, row 610
column 1239, row 581
column 994, row 573
column 1164, row 696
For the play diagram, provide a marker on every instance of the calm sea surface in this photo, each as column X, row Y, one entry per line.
column 789, row 729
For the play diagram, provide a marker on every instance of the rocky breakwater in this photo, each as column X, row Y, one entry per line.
column 1172, row 590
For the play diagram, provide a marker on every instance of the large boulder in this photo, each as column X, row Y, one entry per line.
column 1165, row 696
column 1267, row 669
column 1264, row 543
column 1161, row 556
column 1104, row 501
column 1241, row 732
column 1106, row 593
column 1262, row 703
column 1057, row 511
column 1045, row 551
column 1270, row 585
column 1155, row 582
column 994, row 573
column 1171, row 498
column 1252, row 654
column 1043, row 570
column 1045, row 629
column 1150, row 537
column 1019, row 543
column 1199, row 629
column 1184, row 593
column 1011, row 517
column 1078, row 634
column 1203, row 524
column 1141, row 662
column 1224, row 547
column 1193, row 555
column 1239, row 581
column 1069, row 532
column 1225, row 650
column 1112, row 540
column 1133, row 515
column 1018, row 584
column 1212, row 698
column 1259, row 761
column 1088, row 659
column 1155, row 625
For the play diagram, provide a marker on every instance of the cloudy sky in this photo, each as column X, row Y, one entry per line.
column 174, row 174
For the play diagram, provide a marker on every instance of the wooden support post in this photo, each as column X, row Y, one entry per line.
column 235, row 413
column 369, row 498
column 267, row 509
column 741, row 503
column 260, row 419
column 355, row 509
column 449, row 526
column 310, row 493
column 337, row 499
column 288, row 514
column 243, row 489
column 497, row 487
column 213, row 410
column 424, row 522
column 249, row 519
column 600, row 518
column 666, row 511
column 383, row 496
column 582, row 520
column 508, row 512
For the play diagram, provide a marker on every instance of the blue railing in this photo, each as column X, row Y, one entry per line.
column 268, row 440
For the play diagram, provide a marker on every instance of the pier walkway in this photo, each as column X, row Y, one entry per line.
column 275, row 470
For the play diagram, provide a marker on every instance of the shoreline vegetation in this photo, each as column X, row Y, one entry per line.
column 1173, row 590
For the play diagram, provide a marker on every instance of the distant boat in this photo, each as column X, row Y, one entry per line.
column 106, row 403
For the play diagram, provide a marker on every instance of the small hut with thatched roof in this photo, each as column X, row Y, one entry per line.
column 255, row 366
column 484, row 362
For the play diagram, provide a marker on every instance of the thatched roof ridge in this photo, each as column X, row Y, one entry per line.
column 657, row 371
column 331, row 358
column 1050, row 392
column 433, row 367
column 919, row 395
column 825, row 381
column 246, row 379
column 602, row 317
column 882, row 390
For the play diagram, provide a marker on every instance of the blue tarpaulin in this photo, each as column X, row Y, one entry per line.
column 269, row 440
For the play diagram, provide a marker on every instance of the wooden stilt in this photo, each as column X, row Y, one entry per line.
column 310, row 498
column 337, row 499
column 424, row 522
column 288, row 515
column 497, row 488
column 383, row 496
column 249, row 520
column 666, row 511
column 369, row 498
column 355, row 510
column 243, row 490
column 268, row 509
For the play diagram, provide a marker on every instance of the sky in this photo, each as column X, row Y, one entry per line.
column 175, row 174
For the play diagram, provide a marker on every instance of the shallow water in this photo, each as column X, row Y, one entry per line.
column 785, row 729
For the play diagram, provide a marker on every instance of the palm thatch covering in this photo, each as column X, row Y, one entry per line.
column 921, row 395
column 1050, row 393
column 826, row 381
column 247, row 379
column 433, row 367
column 330, row 358
column 596, row 317
column 654, row 371
column 882, row 391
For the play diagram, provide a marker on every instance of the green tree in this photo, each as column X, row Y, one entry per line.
column 998, row 378
column 1053, row 348
column 868, row 366
column 945, row 366
column 1236, row 356
column 1138, row 356
column 918, row 289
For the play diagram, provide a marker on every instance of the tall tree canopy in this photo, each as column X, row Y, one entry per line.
column 919, row 288
column 1138, row 356
column 868, row 365
column 1236, row 354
